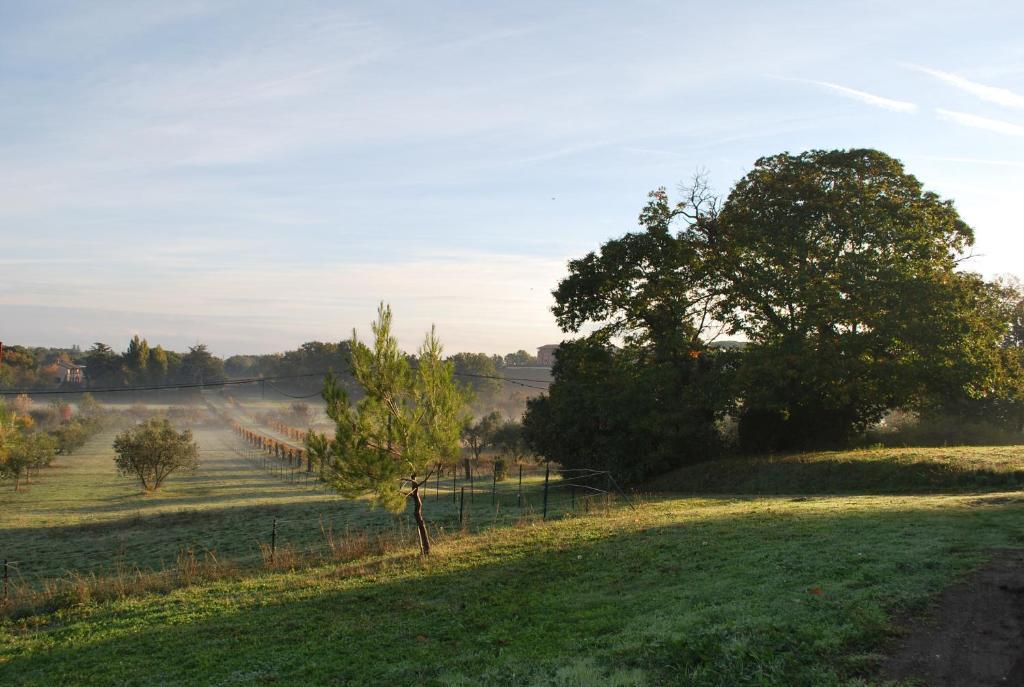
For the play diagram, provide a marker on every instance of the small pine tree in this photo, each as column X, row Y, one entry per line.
column 406, row 424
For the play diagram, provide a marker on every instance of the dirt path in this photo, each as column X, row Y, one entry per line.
column 974, row 635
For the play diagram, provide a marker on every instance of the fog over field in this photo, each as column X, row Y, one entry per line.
column 512, row 343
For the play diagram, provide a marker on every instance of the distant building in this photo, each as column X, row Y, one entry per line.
column 546, row 355
column 69, row 373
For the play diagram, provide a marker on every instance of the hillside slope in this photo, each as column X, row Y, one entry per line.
column 765, row 591
column 866, row 471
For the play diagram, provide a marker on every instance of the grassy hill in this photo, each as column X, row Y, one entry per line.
column 755, row 591
column 870, row 471
column 80, row 516
column 760, row 589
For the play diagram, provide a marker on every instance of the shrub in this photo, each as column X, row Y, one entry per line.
column 154, row 450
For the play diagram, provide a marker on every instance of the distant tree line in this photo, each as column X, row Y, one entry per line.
column 844, row 277
column 142, row 364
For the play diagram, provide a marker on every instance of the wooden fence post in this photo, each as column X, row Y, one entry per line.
column 547, row 473
column 273, row 542
column 520, row 494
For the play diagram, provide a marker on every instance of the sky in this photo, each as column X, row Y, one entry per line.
column 253, row 175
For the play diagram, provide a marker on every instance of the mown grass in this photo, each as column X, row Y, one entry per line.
column 868, row 471
column 763, row 591
column 79, row 516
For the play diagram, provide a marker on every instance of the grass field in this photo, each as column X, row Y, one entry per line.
column 79, row 515
column 873, row 471
column 800, row 589
column 762, row 591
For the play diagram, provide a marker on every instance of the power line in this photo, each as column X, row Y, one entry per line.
column 519, row 381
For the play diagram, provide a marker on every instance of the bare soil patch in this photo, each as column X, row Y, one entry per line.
column 974, row 634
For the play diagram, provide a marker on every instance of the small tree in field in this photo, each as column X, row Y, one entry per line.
column 70, row 436
column 21, row 451
column 511, row 440
column 153, row 450
column 406, row 424
column 477, row 436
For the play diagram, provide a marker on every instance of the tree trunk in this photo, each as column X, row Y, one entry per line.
column 418, row 513
column 468, row 467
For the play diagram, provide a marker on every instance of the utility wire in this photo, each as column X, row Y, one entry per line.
column 519, row 381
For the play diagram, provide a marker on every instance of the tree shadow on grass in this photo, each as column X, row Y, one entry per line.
column 786, row 597
column 838, row 474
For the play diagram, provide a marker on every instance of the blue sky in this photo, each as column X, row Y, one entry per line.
column 258, row 174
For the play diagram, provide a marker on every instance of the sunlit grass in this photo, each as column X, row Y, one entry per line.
column 879, row 470
column 732, row 591
column 80, row 516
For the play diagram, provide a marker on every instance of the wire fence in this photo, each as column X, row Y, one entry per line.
column 455, row 501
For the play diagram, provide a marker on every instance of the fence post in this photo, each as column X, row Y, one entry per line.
column 462, row 504
column 519, row 496
column 547, row 472
column 273, row 542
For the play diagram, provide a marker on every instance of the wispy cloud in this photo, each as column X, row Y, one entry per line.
column 992, row 94
column 966, row 119
column 868, row 98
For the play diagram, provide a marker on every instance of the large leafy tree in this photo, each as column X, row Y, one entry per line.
column 639, row 393
column 157, row 365
column 615, row 409
column 103, row 366
column 986, row 387
column 136, row 358
column 841, row 269
column 406, row 423
column 479, row 372
column 201, row 366
column 655, row 289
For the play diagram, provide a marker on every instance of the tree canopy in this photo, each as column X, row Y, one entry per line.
column 842, row 270
column 640, row 392
column 843, row 276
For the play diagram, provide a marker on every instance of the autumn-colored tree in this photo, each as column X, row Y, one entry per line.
column 21, row 451
column 22, row 404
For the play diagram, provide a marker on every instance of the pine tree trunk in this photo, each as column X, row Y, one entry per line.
column 418, row 513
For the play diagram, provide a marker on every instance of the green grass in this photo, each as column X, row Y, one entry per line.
column 80, row 516
column 870, row 471
column 754, row 590
column 685, row 591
